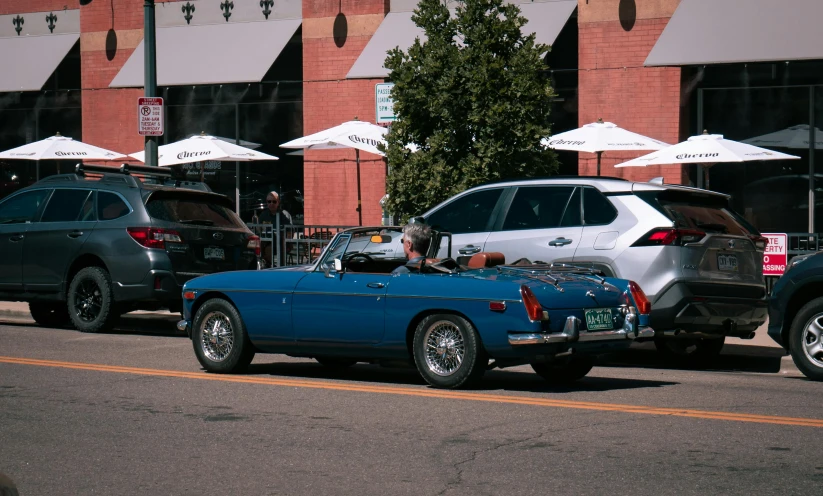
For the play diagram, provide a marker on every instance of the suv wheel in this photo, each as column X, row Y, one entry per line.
column 806, row 340
column 49, row 313
column 91, row 301
column 690, row 351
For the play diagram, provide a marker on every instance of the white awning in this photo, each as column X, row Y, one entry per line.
column 29, row 61
column 233, row 52
column 546, row 20
column 729, row 31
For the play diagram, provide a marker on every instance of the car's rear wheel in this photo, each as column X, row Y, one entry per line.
column 690, row 351
column 573, row 369
column 448, row 352
column 50, row 313
column 335, row 362
column 220, row 340
column 91, row 300
column 806, row 340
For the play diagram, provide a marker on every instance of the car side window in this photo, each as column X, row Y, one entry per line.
column 65, row 205
column 87, row 212
column 22, row 208
column 468, row 214
column 110, row 206
column 573, row 216
column 597, row 209
column 537, row 207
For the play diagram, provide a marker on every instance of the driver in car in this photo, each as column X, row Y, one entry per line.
column 416, row 240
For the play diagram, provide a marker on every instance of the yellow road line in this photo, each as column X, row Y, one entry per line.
column 427, row 393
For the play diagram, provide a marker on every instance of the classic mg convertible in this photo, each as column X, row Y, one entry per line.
column 452, row 321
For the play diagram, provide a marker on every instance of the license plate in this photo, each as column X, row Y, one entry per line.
column 213, row 253
column 599, row 318
column 727, row 262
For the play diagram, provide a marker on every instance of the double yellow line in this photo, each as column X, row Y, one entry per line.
column 427, row 393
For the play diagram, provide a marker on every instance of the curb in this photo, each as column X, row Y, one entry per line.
column 25, row 315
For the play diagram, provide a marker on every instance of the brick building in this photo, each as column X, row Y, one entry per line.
column 267, row 72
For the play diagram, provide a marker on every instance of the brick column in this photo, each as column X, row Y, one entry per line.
column 615, row 37
column 329, row 99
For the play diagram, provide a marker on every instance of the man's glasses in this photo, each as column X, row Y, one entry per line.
column 272, row 201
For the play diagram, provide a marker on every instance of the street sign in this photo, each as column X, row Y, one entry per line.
column 150, row 116
column 775, row 257
column 384, row 103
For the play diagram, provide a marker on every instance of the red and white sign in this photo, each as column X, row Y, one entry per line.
column 150, row 116
column 776, row 255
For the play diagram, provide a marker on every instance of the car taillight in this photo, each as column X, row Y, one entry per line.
column 760, row 242
column 254, row 244
column 533, row 308
column 670, row 237
column 152, row 237
column 644, row 306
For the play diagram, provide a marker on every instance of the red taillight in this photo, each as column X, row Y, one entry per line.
column 152, row 237
column 533, row 308
column 254, row 244
column 670, row 237
column 644, row 306
column 760, row 242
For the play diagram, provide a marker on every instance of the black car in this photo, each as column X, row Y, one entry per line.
column 90, row 249
column 796, row 313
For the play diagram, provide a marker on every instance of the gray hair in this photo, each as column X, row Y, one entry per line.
column 420, row 236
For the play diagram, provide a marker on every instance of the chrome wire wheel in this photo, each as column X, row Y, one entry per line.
column 445, row 347
column 88, row 301
column 217, row 336
column 813, row 340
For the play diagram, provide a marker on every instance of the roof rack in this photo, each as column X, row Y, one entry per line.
column 126, row 169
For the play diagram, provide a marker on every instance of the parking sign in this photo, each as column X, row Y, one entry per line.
column 775, row 257
column 150, row 116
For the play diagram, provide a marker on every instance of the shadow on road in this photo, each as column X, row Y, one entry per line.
column 129, row 324
column 734, row 358
column 493, row 380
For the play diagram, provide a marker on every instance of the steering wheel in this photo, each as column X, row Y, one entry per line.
column 365, row 256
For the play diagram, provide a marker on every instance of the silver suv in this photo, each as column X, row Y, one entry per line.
column 699, row 262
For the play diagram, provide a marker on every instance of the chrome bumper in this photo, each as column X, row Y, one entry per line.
column 183, row 325
column 571, row 333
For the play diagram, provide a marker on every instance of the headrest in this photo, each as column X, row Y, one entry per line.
column 486, row 259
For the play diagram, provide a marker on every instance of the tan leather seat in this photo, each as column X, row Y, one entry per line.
column 486, row 259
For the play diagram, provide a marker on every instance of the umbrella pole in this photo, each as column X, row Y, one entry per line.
column 359, row 201
column 202, row 171
column 598, row 162
column 37, row 170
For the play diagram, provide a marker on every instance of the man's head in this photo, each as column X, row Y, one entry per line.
column 273, row 201
column 416, row 240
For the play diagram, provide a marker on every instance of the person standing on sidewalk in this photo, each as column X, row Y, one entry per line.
column 269, row 216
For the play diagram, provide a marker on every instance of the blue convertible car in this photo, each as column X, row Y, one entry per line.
column 452, row 321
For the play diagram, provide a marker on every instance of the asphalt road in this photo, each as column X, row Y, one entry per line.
column 131, row 412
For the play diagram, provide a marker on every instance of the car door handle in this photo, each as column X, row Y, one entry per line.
column 75, row 234
column 468, row 250
column 16, row 237
column 560, row 242
column 376, row 285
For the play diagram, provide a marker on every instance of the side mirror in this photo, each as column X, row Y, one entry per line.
column 338, row 265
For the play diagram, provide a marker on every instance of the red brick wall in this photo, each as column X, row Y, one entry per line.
column 614, row 86
column 23, row 6
column 329, row 99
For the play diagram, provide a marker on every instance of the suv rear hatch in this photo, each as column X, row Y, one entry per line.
column 716, row 244
column 212, row 238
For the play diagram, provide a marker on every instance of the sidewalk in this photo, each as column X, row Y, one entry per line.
column 20, row 311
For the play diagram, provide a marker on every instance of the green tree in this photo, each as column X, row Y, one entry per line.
column 473, row 98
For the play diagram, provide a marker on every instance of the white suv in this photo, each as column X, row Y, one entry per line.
column 698, row 261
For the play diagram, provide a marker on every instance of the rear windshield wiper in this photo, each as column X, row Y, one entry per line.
column 197, row 222
column 714, row 227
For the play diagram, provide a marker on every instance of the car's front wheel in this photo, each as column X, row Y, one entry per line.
column 219, row 336
column 575, row 368
column 448, row 352
column 806, row 340
column 50, row 313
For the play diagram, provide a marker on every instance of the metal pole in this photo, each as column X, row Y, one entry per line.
column 359, row 201
column 36, row 138
column 699, row 178
column 812, row 146
column 598, row 162
column 150, row 71
column 237, row 164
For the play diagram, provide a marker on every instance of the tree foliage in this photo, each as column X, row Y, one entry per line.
column 473, row 98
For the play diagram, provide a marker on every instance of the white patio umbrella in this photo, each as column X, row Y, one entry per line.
column 204, row 147
column 59, row 147
column 599, row 137
column 797, row 137
column 706, row 150
column 355, row 134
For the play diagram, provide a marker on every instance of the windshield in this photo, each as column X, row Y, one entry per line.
column 190, row 209
column 374, row 243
